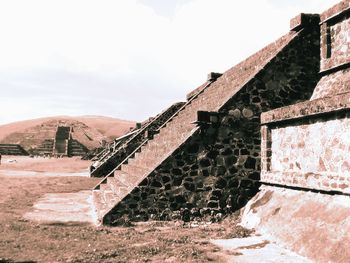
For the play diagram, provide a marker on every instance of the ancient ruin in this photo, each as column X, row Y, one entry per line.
column 304, row 202
column 269, row 130
column 63, row 144
column 206, row 157
column 117, row 152
column 53, row 137
column 12, row 149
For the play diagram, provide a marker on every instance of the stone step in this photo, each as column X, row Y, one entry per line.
column 119, row 189
column 146, row 162
column 133, row 169
column 100, row 205
column 128, row 179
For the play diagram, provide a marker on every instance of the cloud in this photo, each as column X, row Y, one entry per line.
column 124, row 58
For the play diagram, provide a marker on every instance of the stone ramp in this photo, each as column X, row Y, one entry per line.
column 112, row 157
column 314, row 225
column 111, row 190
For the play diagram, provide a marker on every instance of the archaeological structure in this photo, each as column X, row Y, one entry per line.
column 207, row 153
column 55, row 137
column 62, row 144
column 273, row 128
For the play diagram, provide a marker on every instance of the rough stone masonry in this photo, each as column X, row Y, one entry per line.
column 307, row 145
column 217, row 169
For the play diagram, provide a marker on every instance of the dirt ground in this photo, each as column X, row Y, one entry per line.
column 42, row 164
column 22, row 240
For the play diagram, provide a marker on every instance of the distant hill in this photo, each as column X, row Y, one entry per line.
column 89, row 130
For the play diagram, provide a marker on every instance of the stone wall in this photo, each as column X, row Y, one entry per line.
column 335, row 41
column 315, row 147
column 307, row 145
column 218, row 168
column 335, row 83
column 335, row 49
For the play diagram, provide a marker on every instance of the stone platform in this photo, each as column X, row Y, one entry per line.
column 313, row 225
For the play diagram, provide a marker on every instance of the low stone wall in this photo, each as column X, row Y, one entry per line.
column 307, row 145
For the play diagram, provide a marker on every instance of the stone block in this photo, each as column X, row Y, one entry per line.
column 212, row 76
column 304, row 20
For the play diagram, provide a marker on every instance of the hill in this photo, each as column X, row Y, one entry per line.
column 89, row 130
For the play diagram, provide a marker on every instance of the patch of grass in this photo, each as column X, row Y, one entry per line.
column 238, row 232
column 150, row 251
column 180, row 240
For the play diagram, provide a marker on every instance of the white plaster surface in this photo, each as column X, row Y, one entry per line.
column 63, row 208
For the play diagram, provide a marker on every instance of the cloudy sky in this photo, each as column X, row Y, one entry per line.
column 127, row 59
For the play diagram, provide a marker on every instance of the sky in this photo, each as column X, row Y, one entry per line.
column 128, row 59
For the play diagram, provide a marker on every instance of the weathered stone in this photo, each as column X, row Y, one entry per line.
column 205, row 172
column 219, row 170
column 247, row 113
column 204, row 163
column 212, row 154
column 233, row 183
column 250, row 163
column 176, row 171
column 224, row 157
column 254, row 176
column 221, row 183
column 213, row 204
column 189, row 186
column 235, row 113
column 177, row 181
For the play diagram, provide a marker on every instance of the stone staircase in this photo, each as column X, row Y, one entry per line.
column 75, row 148
column 114, row 188
column 12, row 149
column 117, row 152
column 102, row 154
column 45, row 148
column 211, row 97
column 61, row 140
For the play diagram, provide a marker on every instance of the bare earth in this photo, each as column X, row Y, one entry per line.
column 23, row 240
column 41, row 164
